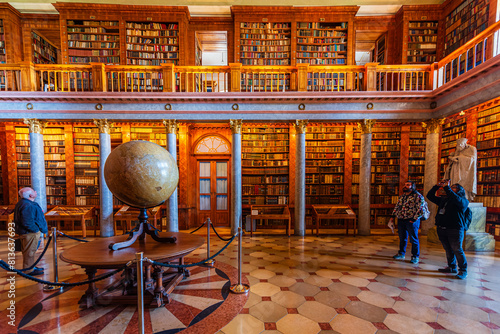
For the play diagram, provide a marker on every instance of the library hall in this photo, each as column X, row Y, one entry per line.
column 241, row 167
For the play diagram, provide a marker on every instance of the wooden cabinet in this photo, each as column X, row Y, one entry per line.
column 265, row 164
column 321, row 43
column 152, row 44
column 418, row 34
column 325, row 164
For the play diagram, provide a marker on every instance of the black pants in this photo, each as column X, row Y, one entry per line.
column 452, row 239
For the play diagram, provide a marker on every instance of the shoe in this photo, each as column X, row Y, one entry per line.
column 448, row 270
column 414, row 259
column 399, row 256
column 36, row 272
column 461, row 275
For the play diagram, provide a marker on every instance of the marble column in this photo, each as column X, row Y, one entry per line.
column 236, row 197
column 300, row 178
column 37, row 163
column 365, row 164
column 105, row 196
column 431, row 173
column 172, row 203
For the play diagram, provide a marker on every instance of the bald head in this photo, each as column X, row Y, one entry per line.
column 27, row 193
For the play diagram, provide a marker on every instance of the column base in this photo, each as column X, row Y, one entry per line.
column 479, row 242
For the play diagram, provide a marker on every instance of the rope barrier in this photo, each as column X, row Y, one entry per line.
column 41, row 255
column 192, row 264
column 221, row 238
column 68, row 236
column 5, row 266
column 199, row 227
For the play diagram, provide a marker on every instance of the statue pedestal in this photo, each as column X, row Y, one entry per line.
column 476, row 239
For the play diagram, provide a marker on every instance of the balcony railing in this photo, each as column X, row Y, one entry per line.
column 99, row 77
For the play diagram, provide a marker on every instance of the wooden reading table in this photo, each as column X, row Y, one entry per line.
column 128, row 214
column 334, row 211
column 271, row 211
column 159, row 281
column 6, row 214
column 72, row 213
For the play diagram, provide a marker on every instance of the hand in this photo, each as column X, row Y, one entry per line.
column 391, row 225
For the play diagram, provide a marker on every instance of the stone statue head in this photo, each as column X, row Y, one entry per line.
column 461, row 143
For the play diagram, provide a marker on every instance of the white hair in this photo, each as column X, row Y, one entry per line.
column 26, row 192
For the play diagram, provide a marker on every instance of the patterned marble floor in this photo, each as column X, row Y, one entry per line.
column 326, row 284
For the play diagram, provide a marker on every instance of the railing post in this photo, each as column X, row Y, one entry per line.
column 433, row 76
column 302, row 70
column 99, row 77
column 28, row 76
column 371, row 76
column 235, row 75
column 168, row 77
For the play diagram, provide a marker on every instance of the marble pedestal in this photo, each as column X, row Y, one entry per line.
column 476, row 239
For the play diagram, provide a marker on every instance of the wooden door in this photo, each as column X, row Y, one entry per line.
column 213, row 191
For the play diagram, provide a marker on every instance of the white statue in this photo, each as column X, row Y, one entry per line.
column 462, row 168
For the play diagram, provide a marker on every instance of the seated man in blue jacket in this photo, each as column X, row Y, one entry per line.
column 450, row 222
column 30, row 224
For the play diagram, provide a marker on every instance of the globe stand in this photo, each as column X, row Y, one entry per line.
column 144, row 228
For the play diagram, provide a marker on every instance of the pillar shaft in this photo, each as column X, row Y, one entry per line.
column 38, row 169
column 236, row 197
column 364, row 183
column 105, row 195
column 300, row 185
column 172, row 205
column 430, row 174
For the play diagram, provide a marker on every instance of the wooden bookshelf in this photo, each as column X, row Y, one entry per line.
column 385, row 172
column 356, row 155
column 2, row 199
column 265, row 43
column 152, row 43
column 265, row 82
column 488, row 154
column 464, row 22
column 198, row 55
column 155, row 133
column 23, row 157
column 380, row 47
column 3, row 58
column 44, row 52
column 422, row 42
column 416, row 158
column 325, row 164
column 55, row 165
column 453, row 128
column 86, row 155
column 265, row 164
column 322, row 43
column 93, row 41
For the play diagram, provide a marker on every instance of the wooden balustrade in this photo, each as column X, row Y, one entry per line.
column 10, row 78
column 202, row 78
column 63, row 78
column 476, row 51
column 268, row 78
column 402, row 78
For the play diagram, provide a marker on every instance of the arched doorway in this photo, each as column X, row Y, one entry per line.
column 212, row 154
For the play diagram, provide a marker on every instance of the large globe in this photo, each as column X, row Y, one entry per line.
column 141, row 174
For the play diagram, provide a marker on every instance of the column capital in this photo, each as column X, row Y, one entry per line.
column 171, row 125
column 433, row 125
column 366, row 125
column 301, row 125
column 35, row 125
column 103, row 125
column 235, row 125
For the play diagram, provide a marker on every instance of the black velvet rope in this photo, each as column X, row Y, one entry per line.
column 68, row 236
column 5, row 266
column 198, row 227
column 193, row 264
column 221, row 238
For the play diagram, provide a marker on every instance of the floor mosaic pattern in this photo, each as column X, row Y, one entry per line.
column 326, row 284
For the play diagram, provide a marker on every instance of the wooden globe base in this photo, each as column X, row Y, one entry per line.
column 144, row 228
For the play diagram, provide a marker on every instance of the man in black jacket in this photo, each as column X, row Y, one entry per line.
column 450, row 222
column 30, row 224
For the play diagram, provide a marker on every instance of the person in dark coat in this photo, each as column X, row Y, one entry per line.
column 30, row 224
column 450, row 223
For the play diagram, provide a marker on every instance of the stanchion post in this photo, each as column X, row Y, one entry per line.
column 209, row 262
column 54, row 263
column 139, row 257
column 239, row 288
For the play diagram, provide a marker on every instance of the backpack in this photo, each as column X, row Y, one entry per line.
column 467, row 218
